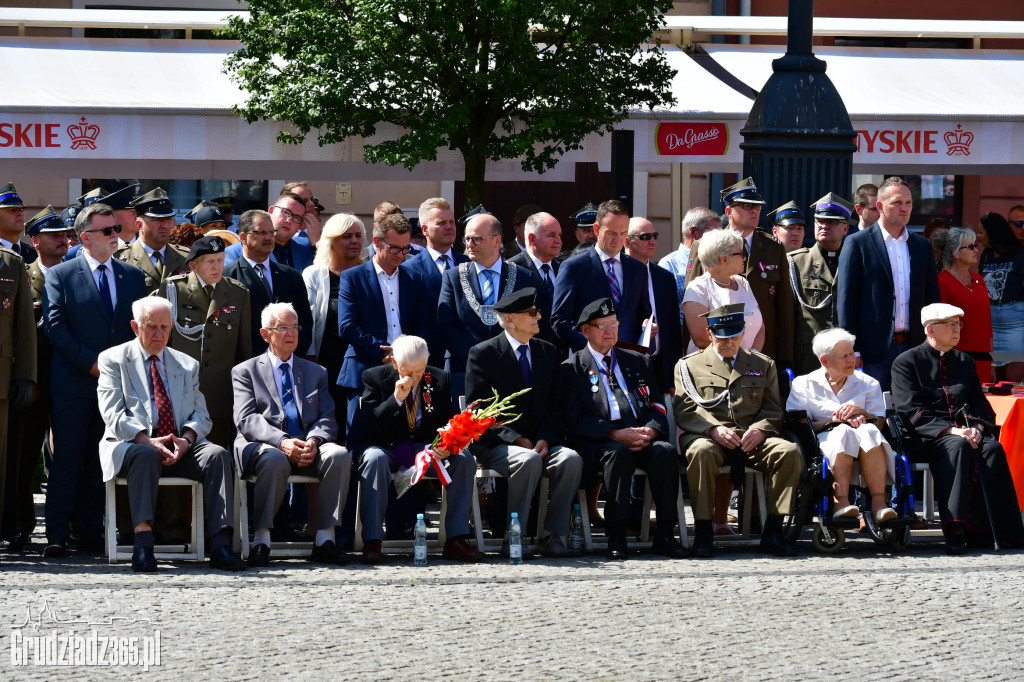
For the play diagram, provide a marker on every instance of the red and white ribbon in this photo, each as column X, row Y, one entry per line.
column 424, row 460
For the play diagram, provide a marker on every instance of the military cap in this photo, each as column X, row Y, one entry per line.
column 787, row 214
column 524, row 212
column 516, row 302
column 121, row 199
column 9, row 197
column 92, row 196
column 602, row 307
column 743, row 192
column 832, row 207
column 726, row 321
column 198, row 207
column 479, row 210
column 69, row 214
column 225, row 203
column 586, row 216
column 47, row 220
column 933, row 312
column 207, row 215
column 205, row 246
column 154, row 204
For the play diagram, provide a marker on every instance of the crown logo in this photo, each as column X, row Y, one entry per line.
column 83, row 135
column 958, row 142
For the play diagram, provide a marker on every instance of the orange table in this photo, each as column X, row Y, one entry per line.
column 1010, row 416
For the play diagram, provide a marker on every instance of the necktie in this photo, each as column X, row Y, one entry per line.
column 164, row 411
column 548, row 284
column 16, row 247
column 524, row 364
column 263, row 280
column 444, row 263
column 613, row 282
column 209, row 290
column 746, row 252
column 625, row 407
column 108, row 303
column 158, row 263
column 291, row 410
column 487, row 286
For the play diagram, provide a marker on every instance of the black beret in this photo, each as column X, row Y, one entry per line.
column 205, row 246
column 602, row 307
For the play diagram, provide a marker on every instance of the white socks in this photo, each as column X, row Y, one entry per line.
column 323, row 536
column 261, row 537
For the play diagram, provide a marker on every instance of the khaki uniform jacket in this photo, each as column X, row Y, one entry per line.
column 815, row 285
column 44, row 351
column 174, row 262
column 753, row 393
column 18, row 353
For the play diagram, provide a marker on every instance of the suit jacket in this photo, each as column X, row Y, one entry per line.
column 77, row 323
column 259, row 412
column 587, row 415
column 44, row 350
column 494, row 366
column 753, row 386
column 767, row 271
column 581, row 280
column 383, row 419
column 866, row 294
column 423, row 267
column 670, row 329
column 544, row 302
column 300, row 248
column 816, row 284
column 459, row 326
column 363, row 323
column 174, row 262
column 17, row 323
column 126, row 402
column 288, row 288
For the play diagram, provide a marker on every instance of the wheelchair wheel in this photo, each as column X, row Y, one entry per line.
column 899, row 538
column 828, row 540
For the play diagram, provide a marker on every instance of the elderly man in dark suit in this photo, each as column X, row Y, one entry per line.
column 268, row 281
column 284, row 414
column 602, row 272
column 87, row 309
column 533, row 444
column 886, row 276
column 156, row 424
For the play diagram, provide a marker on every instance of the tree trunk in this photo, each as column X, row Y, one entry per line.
column 475, row 161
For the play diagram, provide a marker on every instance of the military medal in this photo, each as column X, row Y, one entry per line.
column 7, row 303
column 764, row 275
column 593, row 382
column 427, row 400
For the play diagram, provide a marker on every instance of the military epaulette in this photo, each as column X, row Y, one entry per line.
column 799, row 252
column 122, row 253
column 180, row 249
column 760, row 355
column 693, row 354
column 234, row 282
column 182, row 276
column 9, row 250
column 771, row 236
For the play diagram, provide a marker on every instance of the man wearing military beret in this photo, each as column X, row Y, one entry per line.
column 727, row 403
column 212, row 319
column 813, row 274
column 12, row 223
column 152, row 253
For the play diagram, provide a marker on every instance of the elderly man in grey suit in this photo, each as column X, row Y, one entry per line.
column 156, row 423
column 285, row 420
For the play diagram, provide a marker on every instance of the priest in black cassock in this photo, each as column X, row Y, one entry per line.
column 930, row 385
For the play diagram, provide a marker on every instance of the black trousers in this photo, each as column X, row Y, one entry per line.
column 75, row 473
column 662, row 466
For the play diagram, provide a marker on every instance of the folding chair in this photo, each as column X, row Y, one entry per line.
column 194, row 550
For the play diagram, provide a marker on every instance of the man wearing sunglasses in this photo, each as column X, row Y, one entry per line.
column 151, row 252
column 1016, row 219
column 87, row 309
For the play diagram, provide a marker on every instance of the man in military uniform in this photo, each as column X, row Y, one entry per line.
column 518, row 243
column 49, row 237
column 727, row 403
column 813, row 273
column 12, row 223
column 151, row 252
column 788, row 226
column 584, row 220
column 121, row 201
column 766, row 269
column 212, row 317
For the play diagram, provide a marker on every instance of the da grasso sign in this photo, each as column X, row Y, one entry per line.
column 692, row 139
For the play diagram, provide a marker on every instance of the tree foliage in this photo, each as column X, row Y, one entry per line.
column 493, row 79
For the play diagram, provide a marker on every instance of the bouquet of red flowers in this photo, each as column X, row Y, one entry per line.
column 461, row 430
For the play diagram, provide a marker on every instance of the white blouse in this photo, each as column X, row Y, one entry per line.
column 811, row 392
column 704, row 291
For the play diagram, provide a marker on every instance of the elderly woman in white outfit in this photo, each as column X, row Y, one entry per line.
column 836, row 393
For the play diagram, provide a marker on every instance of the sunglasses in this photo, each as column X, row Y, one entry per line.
column 1017, row 223
column 107, row 231
column 644, row 237
column 972, row 247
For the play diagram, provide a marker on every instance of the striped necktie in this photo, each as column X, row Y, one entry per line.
column 613, row 282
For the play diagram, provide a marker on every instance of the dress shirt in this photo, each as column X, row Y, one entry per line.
column 618, row 266
column 749, row 239
column 613, row 404
column 266, row 270
column 419, row 403
column 436, row 255
column 93, row 264
column 43, row 269
column 495, row 268
column 150, row 251
column 161, row 369
column 10, row 245
column 389, row 289
column 812, row 392
column 676, row 263
column 515, row 348
column 899, row 261
column 276, row 363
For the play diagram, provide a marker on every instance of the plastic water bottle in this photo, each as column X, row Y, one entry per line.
column 419, row 545
column 576, row 531
column 515, row 540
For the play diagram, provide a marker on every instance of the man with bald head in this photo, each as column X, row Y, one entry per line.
column 465, row 312
column 543, row 235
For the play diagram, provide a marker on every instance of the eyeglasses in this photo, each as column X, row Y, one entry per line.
column 394, row 250
column 606, row 325
column 107, row 231
column 644, row 236
column 285, row 329
column 952, row 324
column 532, row 312
column 476, row 241
column 297, row 219
column 1017, row 223
column 972, row 247
column 738, row 253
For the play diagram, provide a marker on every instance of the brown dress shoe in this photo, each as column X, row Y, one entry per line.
column 460, row 550
column 372, row 553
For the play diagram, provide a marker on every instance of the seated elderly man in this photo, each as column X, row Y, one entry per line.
column 844, row 407
column 404, row 403
column 531, row 445
column 613, row 416
column 156, row 423
column 285, row 420
column 727, row 403
column 937, row 390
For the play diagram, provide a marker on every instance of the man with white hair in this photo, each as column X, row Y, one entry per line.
column 936, row 389
column 156, row 424
column 284, row 414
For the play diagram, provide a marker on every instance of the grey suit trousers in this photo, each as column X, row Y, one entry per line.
column 205, row 462
column 375, row 467
column 523, row 469
column 271, row 467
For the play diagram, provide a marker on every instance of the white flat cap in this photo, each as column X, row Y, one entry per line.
column 939, row 311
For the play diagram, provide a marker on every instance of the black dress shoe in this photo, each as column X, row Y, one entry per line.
column 775, row 545
column 223, row 558
column 703, row 545
column 18, row 543
column 666, row 545
column 956, row 537
column 91, row 545
column 143, row 560
column 328, row 553
column 618, row 548
column 259, row 555
column 56, row 548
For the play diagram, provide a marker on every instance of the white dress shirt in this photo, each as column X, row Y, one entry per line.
column 812, row 392
column 389, row 289
column 613, row 404
column 617, row 267
column 266, row 270
column 899, row 261
column 276, row 363
column 495, row 268
column 515, row 348
column 93, row 264
column 540, row 267
column 436, row 255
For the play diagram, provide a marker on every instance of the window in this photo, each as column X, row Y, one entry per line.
column 185, row 194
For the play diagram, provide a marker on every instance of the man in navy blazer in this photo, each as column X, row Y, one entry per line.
column 378, row 302
column 465, row 313
column 543, row 236
column 886, row 275
column 602, row 272
column 87, row 307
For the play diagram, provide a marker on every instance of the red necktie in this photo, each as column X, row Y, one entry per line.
column 164, row 411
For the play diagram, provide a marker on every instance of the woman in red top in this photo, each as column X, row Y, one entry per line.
column 960, row 286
